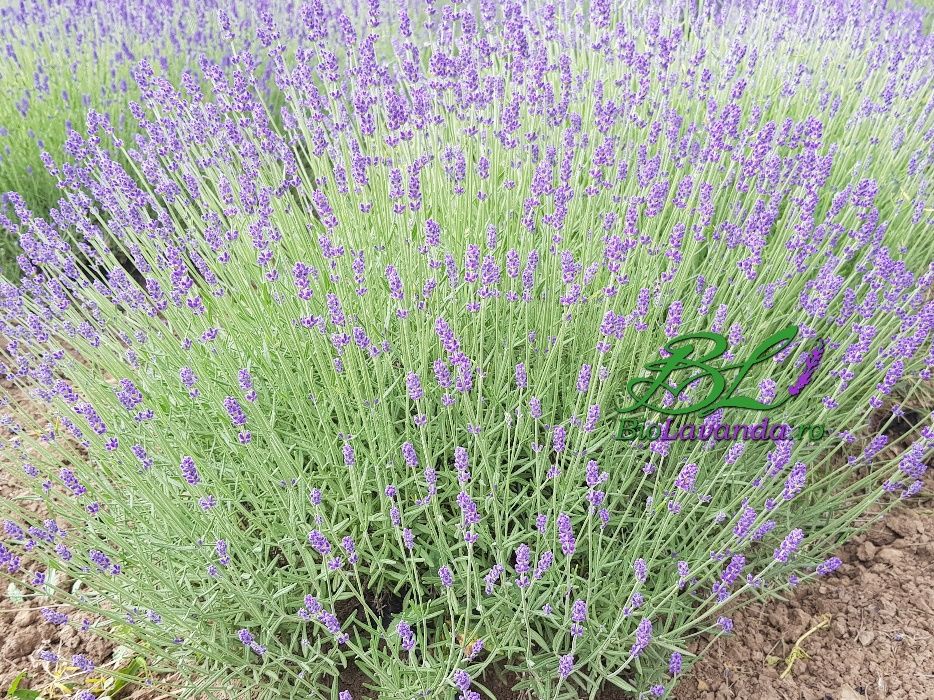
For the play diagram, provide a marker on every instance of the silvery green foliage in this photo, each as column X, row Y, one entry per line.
column 353, row 398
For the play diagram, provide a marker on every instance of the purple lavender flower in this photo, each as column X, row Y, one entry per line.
column 578, row 617
column 523, row 565
column 593, row 415
column 12, row 530
column 220, row 548
column 319, row 542
column 565, row 666
column 558, row 437
column 189, row 471
column 469, row 515
column 566, row 535
column 765, row 528
column 686, row 477
column 414, row 386
column 129, row 395
column 244, row 379
column 409, row 455
column 767, row 390
column 583, row 379
column 544, row 563
column 82, row 663
column 71, row 482
column 794, row 484
column 207, row 502
column 248, row 641
column 729, row 576
column 406, row 635
column 492, row 577
column 789, row 545
column 829, row 566
column 643, row 637
column 641, row 570
column 235, row 411
column 461, row 464
column 48, row 656
column 674, row 664
column 54, row 617
column 522, row 380
column 350, row 548
column 746, row 519
column 461, row 680
column 432, row 233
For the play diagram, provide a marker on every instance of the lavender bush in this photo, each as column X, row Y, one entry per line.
column 354, row 405
column 60, row 59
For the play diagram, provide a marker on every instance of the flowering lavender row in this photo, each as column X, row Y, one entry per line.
column 60, row 59
column 353, row 396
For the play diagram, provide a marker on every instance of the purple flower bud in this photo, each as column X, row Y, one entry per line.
column 643, row 637
column 432, row 233
column 406, row 635
column 686, row 477
column 82, row 663
column 54, row 617
column 566, row 535
column 544, row 563
column 794, row 484
column 583, row 379
column 319, row 542
column 189, row 471
column 565, row 665
column 558, row 439
column 674, row 664
column 414, row 386
column 641, row 570
column 789, row 545
column 827, row 567
column 492, row 577
column 408, row 454
column 522, row 380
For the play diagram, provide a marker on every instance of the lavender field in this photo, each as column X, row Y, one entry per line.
column 451, row 348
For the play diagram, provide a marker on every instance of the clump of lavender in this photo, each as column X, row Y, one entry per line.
column 373, row 339
column 62, row 59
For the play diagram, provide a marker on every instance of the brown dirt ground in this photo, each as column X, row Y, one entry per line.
column 879, row 639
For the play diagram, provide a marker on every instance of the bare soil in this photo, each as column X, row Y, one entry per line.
column 878, row 638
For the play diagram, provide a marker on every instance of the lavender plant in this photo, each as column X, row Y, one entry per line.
column 62, row 59
column 355, row 404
